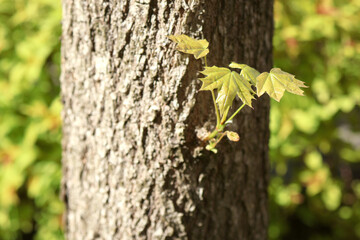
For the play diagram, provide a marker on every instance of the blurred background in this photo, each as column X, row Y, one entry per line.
column 30, row 151
column 315, row 140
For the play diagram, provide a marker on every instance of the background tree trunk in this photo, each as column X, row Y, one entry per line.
column 132, row 165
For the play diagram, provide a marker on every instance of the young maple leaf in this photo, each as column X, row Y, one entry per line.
column 229, row 84
column 186, row 44
column 247, row 72
column 276, row 82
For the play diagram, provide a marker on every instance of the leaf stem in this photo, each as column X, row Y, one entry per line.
column 237, row 111
column 216, row 108
column 214, row 100
column 214, row 133
column 219, row 139
column 214, row 143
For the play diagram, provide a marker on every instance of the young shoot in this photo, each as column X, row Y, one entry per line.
column 229, row 84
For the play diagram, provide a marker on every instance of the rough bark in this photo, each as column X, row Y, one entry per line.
column 132, row 165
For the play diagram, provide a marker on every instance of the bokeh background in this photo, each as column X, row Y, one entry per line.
column 30, row 134
column 315, row 140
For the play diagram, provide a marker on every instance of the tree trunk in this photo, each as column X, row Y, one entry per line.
column 133, row 166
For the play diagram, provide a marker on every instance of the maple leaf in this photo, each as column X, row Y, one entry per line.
column 247, row 72
column 276, row 82
column 229, row 84
column 186, row 44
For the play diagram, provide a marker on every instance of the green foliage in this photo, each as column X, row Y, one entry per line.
column 314, row 148
column 30, row 122
column 276, row 82
column 230, row 83
column 247, row 72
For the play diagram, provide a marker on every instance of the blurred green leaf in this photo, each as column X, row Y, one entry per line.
column 314, row 140
column 331, row 196
column 30, row 119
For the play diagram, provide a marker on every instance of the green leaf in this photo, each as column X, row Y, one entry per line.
column 247, row 72
column 229, row 84
column 276, row 82
column 186, row 44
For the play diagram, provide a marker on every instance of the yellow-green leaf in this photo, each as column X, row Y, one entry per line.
column 229, row 84
column 247, row 72
column 276, row 82
column 186, row 44
column 232, row 136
